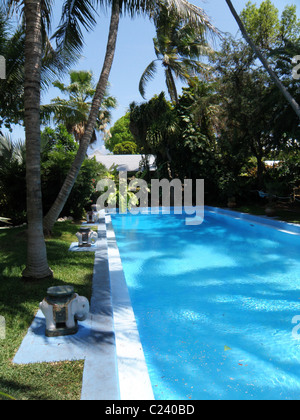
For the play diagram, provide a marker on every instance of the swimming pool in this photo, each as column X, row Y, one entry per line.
column 214, row 304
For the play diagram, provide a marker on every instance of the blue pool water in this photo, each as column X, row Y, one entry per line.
column 214, row 305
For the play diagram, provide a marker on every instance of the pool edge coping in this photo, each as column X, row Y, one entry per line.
column 133, row 375
column 287, row 227
column 280, row 225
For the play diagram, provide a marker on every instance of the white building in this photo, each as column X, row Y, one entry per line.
column 129, row 163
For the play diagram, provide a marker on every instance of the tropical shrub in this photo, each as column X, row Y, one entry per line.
column 119, row 133
column 57, row 160
column 125, row 148
column 58, row 152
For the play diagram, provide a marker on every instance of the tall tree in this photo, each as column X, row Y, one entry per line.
column 247, row 111
column 294, row 104
column 37, row 264
column 119, row 133
column 178, row 47
column 74, row 111
column 37, row 22
column 12, row 44
column 186, row 10
column 63, row 195
column 11, row 89
column 155, row 129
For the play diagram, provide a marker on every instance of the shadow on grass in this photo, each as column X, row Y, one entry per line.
column 19, row 301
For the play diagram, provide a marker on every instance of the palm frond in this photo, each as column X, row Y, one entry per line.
column 11, row 150
column 76, row 15
column 55, row 61
column 147, row 76
column 12, row 6
column 191, row 14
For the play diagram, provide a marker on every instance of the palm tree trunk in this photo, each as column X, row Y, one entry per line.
column 63, row 195
column 171, row 85
column 37, row 265
column 281, row 87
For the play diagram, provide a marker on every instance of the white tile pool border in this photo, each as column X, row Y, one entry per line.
column 134, row 381
column 290, row 228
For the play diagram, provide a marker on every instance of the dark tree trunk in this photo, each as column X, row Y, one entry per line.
column 63, row 195
column 37, row 264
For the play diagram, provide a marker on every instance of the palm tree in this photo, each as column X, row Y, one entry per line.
column 76, row 13
column 12, row 44
column 178, row 46
column 189, row 14
column 74, row 111
column 37, row 22
column 11, row 89
column 295, row 106
column 37, row 264
column 64, row 193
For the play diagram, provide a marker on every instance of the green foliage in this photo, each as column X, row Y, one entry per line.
column 119, row 133
column 181, row 137
column 222, row 125
column 11, row 89
column 57, row 161
column 196, row 139
column 12, row 180
column 154, row 126
column 262, row 23
column 287, row 173
column 246, row 108
column 18, row 305
column 125, row 148
column 54, row 60
column 58, row 152
column 73, row 112
column 178, row 47
column 266, row 28
column 122, row 198
column 59, row 139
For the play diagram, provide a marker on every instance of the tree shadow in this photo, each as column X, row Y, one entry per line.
column 195, row 291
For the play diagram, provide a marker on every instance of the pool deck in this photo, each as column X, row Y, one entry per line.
column 108, row 341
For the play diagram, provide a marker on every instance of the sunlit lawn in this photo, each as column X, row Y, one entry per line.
column 19, row 302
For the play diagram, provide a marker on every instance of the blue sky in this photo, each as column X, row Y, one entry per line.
column 135, row 51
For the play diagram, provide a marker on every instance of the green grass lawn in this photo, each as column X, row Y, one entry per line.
column 19, row 302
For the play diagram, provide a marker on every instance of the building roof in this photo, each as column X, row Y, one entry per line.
column 129, row 163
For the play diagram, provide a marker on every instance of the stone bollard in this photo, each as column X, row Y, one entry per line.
column 86, row 237
column 63, row 309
